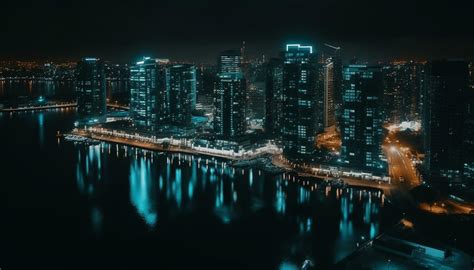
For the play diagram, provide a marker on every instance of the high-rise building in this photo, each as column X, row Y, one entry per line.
column 229, row 113
column 471, row 74
column 302, row 108
column 229, row 62
column 402, row 84
column 255, row 95
column 242, row 52
column 274, row 97
column 468, row 135
column 230, row 97
column 447, row 118
column 334, row 53
column 90, row 88
column 392, row 95
column 148, row 96
column 337, row 84
column 329, row 110
column 361, row 120
column 181, row 93
column 411, row 79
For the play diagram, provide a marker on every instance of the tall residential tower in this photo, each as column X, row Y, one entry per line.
column 361, row 120
column 447, row 118
column 230, row 97
column 90, row 88
column 302, row 108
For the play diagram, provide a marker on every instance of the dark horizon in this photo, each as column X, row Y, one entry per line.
column 199, row 30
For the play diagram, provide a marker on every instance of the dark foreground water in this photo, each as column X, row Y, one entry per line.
column 68, row 205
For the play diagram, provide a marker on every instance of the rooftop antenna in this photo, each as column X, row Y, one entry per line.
column 332, row 47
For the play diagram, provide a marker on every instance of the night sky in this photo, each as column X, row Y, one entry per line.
column 196, row 30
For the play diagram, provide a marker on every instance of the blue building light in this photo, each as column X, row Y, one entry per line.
column 298, row 47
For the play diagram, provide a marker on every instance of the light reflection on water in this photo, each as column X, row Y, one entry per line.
column 41, row 128
column 122, row 190
column 176, row 184
column 142, row 194
column 159, row 188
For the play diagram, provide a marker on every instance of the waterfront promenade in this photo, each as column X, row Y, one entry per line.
column 394, row 190
column 171, row 145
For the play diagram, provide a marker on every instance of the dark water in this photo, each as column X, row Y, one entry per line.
column 76, row 206
column 57, row 90
column 112, row 205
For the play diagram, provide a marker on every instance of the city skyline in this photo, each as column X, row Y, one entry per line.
column 267, row 134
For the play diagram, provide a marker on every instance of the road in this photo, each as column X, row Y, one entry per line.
column 401, row 169
column 306, row 171
column 400, row 165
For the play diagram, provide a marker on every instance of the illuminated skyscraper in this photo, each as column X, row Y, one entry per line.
column 229, row 61
column 274, row 97
column 230, row 97
column 329, row 112
column 182, row 93
column 229, row 115
column 255, row 77
column 402, row 82
column 334, row 54
column 90, row 88
column 392, row 95
column 361, row 120
column 302, row 110
column 447, row 119
column 148, row 96
column 468, row 135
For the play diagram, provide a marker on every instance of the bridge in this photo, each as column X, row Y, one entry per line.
column 57, row 106
column 40, row 108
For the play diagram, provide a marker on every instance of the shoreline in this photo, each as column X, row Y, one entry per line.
column 357, row 183
column 159, row 148
column 273, row 166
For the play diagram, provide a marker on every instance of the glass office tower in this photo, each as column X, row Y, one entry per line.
column 182, row 93
column 90, row 89
column 148, row 96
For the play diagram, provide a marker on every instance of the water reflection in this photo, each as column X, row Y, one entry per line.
column 88, row 169
column 142, row 191
column 88, row 177
column 2, row 88
column 41, row 128
column 163, row 186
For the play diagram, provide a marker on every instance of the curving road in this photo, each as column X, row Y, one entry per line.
column 400, row 165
